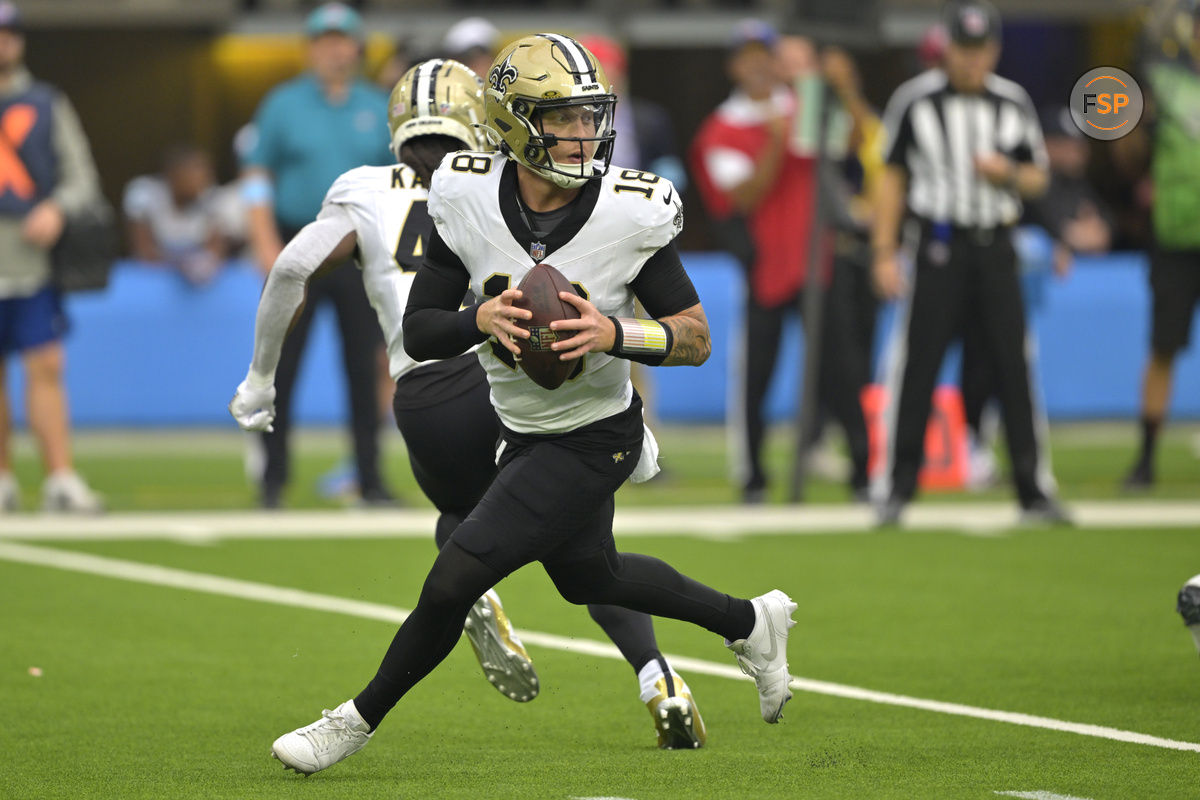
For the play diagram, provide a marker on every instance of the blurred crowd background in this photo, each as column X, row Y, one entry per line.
column 146, row 76
column 166, row 91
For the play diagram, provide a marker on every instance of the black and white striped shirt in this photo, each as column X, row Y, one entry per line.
column 935, row 133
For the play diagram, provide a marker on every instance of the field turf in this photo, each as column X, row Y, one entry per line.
column 164, row 666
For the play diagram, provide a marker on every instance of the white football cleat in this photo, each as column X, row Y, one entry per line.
column 763, row 654
column 10, row 493
column 676, row 718
column 505, row 663
column 1188, row 607
column 64, row 491
column 336, row 735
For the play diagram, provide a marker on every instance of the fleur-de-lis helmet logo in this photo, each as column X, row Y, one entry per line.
column 502, row 75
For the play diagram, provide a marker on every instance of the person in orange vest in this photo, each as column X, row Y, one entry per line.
column 46, row 174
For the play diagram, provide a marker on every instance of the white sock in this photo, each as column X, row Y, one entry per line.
column 650, row 674
column 350, row 712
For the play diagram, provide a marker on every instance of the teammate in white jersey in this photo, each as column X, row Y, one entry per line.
column 441, row 407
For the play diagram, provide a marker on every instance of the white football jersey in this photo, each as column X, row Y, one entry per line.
column 388, row 207
column 635, row 215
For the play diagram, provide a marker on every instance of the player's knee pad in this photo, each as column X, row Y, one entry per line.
column 446, row 524
column 455, row 582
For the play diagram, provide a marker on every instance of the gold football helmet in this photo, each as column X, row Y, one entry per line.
column 439, row 96
column 542, row 74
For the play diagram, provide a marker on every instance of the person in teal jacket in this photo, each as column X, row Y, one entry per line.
column 306, row 133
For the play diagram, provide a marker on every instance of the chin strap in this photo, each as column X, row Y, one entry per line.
column 489, row 133
column 565, row 180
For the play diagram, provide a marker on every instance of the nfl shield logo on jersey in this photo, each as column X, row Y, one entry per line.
column 537, row 251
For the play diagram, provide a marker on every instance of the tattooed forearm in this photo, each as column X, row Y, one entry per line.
column 692, row 343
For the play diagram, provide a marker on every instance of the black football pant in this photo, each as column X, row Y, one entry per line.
column 976, row 379
column 361, row 337
column 966, row 284
column 552, row 501
column 452, row 450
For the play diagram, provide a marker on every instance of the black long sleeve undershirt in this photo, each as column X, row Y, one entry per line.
column 662, row 285
column 433, row 325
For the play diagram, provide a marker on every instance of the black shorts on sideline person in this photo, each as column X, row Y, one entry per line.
column 1175, row 284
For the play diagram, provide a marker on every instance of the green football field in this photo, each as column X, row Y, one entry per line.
column 157, row 651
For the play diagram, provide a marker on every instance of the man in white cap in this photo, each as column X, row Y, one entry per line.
column 472, row 41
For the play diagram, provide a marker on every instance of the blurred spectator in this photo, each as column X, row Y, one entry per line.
column 647, row 139
column 757, row 193
column 46, row 174
column 1171, row 67
column 1120, row 173
column 307, row 132
column 756, row 175
column 965, row 280
column 181, row 217
column 932, row 47
column 849, row 179
column 1070, row 210
column 395, row 66
column 861, row 169
column 472, row 41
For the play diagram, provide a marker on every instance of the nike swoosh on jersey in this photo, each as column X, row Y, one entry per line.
column 667, row 199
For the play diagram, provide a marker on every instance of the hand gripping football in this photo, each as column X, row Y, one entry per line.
column 540, row 288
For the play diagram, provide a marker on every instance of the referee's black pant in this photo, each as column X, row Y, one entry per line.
column 343, row 288
column 965, row 283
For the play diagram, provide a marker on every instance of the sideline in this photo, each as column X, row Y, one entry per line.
column 712, row 522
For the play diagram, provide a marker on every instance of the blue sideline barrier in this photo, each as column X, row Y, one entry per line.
column 151, row 350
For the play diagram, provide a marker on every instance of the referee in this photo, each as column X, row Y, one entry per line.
column 963, row 147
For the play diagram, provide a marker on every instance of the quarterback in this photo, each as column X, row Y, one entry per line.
column 549, row 193
column 441, row 407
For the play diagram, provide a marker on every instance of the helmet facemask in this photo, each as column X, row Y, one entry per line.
column 583, row 124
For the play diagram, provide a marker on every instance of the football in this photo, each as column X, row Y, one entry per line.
column 540, row 288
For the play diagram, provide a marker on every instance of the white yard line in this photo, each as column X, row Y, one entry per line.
column 1040, row 796
column 296, row 598
column 715, row 522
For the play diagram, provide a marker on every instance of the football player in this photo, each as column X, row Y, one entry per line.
column 548, row 193
column 441, row 407
column 1188, row 606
